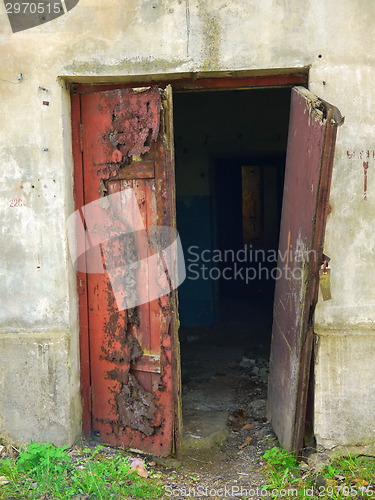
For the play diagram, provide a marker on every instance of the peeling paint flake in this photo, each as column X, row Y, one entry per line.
column 136, row 125
column 316, row 108
column 136, row 407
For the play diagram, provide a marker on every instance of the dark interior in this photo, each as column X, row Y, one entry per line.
column 229, row 145
column 230, row 149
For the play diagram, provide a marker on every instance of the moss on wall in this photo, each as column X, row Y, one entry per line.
column 210, row 38
column 125, row 66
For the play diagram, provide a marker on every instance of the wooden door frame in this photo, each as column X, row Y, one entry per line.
column 202, row 83
column 217, row 83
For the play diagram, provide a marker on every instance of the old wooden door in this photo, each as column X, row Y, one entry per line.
column 129, row 347
column 311, row 141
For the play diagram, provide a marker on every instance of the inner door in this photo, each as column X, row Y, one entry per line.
column 129, row 348
column 311, row 141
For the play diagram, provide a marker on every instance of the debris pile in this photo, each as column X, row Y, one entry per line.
column 258, row 367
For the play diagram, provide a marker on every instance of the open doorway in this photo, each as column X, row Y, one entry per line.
column 230, row 149
column 230, row 153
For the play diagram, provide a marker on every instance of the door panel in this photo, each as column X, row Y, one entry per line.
column 127, row 145
column 311, row 140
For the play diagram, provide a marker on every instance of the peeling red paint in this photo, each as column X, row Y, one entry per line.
column 136, row 407
column 136, row 124
column 133, row 367
column 365, row 168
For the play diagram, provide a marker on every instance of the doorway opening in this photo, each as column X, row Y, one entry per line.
column 230, row 153
column 230, row 149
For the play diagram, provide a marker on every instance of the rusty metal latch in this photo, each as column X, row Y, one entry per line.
column 325, row 278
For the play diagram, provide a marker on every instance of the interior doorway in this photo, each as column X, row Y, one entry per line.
column 230, row 149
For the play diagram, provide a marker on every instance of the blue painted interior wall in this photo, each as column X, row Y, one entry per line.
column 196, row 296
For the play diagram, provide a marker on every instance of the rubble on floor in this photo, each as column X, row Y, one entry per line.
column 225, row 392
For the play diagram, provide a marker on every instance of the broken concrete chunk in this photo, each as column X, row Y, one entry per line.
column 247, row 362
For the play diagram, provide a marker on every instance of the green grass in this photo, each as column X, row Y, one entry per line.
column 342, row 478
column 43, row 471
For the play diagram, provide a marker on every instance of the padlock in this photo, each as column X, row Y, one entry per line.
column 325, row 283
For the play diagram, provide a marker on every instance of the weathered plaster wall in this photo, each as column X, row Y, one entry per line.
column 116, row 40
column 345, row 398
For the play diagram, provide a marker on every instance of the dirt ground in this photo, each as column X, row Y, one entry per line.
column 231, row 382
column 229, row 468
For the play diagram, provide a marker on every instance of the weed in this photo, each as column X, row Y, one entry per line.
column 280, row 459
column 194, row 478
column 281, row 467
column 44, row 471
column 43, row 457
column 341, row 478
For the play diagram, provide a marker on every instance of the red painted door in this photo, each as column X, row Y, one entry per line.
column 311, row 141
column 129, row 346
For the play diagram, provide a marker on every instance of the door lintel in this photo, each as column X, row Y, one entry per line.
column 239, row 80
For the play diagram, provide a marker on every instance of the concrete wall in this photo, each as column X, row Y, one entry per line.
column 116, row 40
